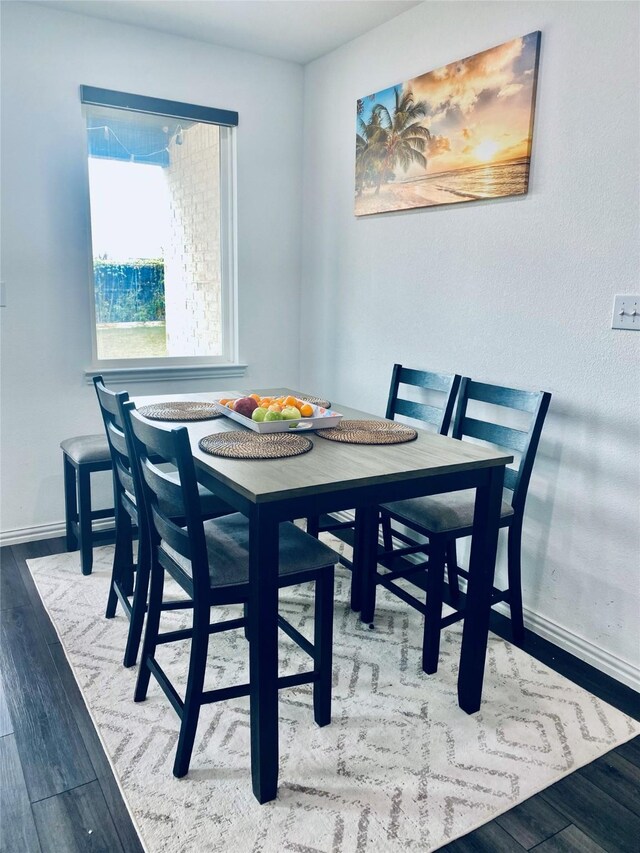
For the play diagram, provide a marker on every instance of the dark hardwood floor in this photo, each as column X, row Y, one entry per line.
column 59, row 793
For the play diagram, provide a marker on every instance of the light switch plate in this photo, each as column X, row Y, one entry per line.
column 626, row 312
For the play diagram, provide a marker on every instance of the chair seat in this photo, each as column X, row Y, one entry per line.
column 227, row 541
column 441, row 513
column 83, row 449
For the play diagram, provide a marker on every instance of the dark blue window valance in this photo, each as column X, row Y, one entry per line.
column 157, row 106
column 141, row 140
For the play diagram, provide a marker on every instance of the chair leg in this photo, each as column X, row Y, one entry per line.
column 112, row 600
column 323, row 645
column 514, row 551
column 70, row 502
column 452, row 570
column 387, row 536
column 122, row 560
column 433, row 617
column 151, row 632
column 195, row 683
column 127, row 566
column 123, row 552
column 313, row 526
column 139, row 605
column 84, row 520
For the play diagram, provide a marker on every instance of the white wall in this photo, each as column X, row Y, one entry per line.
column 516, row 291
column 46, row 338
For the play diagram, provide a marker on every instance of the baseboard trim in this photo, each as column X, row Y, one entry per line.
column 621, row 670
column 44, row 531
column 618, row 668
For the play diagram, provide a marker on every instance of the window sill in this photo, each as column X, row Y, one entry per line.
column 164, row 372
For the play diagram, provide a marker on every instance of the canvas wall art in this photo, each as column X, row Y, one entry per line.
column 460, row 133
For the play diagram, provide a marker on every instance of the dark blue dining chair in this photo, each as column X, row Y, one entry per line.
column 130, row 579
column 82, row 456
column 435, row 415
column 445, row 518
column 210, row 561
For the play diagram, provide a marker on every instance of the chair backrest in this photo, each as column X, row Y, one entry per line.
column 126, row 477
column 524, row 441
column 438, row 416
column 171, row 495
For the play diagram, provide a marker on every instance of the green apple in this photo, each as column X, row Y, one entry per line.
column 290, row 413
column 273, row 416
column 259, row 414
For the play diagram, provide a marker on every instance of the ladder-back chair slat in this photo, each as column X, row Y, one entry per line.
column 503, row 436
column 511, row 398
column 419, row 411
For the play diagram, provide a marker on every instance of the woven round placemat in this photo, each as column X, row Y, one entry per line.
column 183, row 411
column 315, row 401
column 250, row 445
column 369, row 432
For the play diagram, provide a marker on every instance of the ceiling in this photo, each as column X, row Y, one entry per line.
column 296, row 30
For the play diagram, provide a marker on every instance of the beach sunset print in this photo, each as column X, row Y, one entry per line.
column 460, row 133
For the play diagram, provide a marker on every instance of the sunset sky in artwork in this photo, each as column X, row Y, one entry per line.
column 478, row 109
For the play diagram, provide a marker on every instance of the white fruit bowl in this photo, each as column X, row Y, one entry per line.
column 321, row 419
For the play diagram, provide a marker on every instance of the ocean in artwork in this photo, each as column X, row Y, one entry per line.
column 487, row 181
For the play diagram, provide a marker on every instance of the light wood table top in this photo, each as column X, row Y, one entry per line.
column 329, row 466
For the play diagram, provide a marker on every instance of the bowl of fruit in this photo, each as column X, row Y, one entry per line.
column 278, row 414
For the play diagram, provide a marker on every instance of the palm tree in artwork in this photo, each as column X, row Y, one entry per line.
column 398, row 139
column 368, row 150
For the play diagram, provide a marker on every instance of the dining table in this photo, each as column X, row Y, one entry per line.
column 330, row 478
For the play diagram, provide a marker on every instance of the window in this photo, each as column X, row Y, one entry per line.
column 161, row 196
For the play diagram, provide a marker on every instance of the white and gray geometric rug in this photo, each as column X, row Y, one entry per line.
column 401, row 767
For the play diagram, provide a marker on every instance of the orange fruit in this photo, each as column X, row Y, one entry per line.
column 265, row 402
column 306, row 410
column 275, row 407
column 291, row 401
column 223, row 402
column 255, row 397
column 279, row 400
column 231, row 404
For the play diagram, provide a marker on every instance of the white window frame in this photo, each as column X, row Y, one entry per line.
column 184, row 367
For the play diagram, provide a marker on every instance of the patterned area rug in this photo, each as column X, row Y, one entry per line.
column 401, row 767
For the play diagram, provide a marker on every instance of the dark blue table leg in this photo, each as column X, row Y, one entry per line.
column 263, row 654
column 365, row 558
column 482, row 564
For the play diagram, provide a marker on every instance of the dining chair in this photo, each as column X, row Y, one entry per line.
column 445, row 518
column 130, row 580
column 210, row 562
column 436, row 415
column 82, row 456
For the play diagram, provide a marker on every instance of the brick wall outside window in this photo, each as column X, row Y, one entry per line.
column 192, row 259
